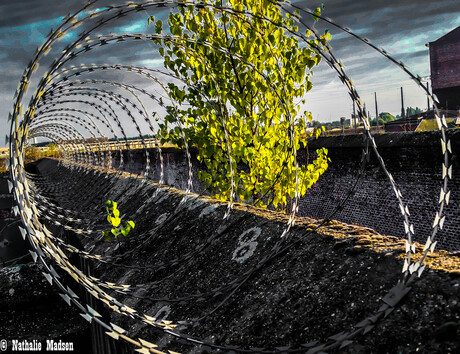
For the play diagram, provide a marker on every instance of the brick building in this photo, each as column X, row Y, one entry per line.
column 445, row 69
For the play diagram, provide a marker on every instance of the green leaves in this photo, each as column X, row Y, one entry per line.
column 106, row 235
column 129, row 225
column 158, row 27
column 113, row 217
column 317, row 12
column 244, row 76
column 110, row 205
column 116, row 221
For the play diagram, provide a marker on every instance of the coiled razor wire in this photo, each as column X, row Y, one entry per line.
column 59, row 112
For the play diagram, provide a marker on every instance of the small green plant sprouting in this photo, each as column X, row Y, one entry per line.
column 113, row 217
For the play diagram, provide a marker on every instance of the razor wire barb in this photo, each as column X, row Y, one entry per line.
column 104, row 112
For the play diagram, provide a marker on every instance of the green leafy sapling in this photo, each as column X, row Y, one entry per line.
column 244, row 76
column 113, row 217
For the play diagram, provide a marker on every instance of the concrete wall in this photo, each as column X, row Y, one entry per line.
column 414, row 160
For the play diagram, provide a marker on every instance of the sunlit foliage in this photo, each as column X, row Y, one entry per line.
column 242, row 77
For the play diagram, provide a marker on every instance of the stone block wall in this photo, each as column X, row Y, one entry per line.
column 414, row 159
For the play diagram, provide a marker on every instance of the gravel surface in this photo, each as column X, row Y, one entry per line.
column 237, row 283
column 31, row 309
column 325, row 282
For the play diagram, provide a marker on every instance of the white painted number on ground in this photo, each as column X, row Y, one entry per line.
column 246, row 244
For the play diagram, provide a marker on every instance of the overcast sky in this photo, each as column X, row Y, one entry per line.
column 402, row 27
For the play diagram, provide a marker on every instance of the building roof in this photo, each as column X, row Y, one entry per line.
column 450, row 36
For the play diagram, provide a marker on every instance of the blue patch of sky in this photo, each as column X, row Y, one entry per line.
column 33, row 33
column 136, row 27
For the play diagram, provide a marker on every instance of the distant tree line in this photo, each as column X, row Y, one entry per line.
column 384, row 117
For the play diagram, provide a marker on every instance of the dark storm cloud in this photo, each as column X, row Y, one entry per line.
column 386, row 20
column 394, row 10
column 24, row 12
